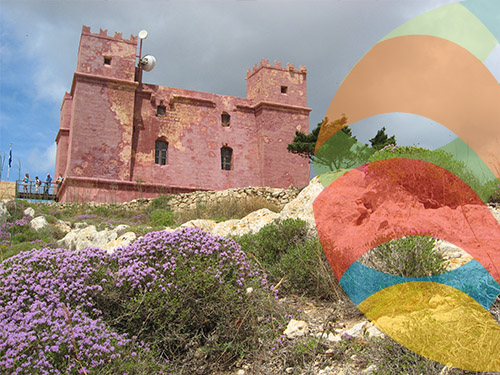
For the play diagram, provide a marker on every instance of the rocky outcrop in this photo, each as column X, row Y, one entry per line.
column 81, row 238
column 301, row 207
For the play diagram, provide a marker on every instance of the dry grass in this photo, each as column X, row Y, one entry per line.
column 224, row 209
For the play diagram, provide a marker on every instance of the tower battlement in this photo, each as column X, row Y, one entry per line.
column 264, row 63
column 104, row 34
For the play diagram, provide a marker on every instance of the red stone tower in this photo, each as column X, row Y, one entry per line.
column 120, row 139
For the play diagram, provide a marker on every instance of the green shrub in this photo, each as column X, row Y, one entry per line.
column 162, row 218
column 406, row 256
column 185, row 295
column 292, row 258
column 160, row 202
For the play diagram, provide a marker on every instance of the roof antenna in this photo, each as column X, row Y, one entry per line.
column 147, row 62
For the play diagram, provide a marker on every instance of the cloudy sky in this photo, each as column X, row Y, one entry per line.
column 199, row 45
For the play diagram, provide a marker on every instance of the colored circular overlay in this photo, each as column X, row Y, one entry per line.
column 443, row 65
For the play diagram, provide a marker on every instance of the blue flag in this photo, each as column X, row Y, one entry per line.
column 10, row 158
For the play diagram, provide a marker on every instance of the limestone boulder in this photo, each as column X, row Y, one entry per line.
column 296, row 328
column 251, row 223
column 63, row 226
column 207, row 225
column 38, row 223
column 29, row 211
column 225, row 228
column 122, row 241
column 301, row 206
column 81, row 238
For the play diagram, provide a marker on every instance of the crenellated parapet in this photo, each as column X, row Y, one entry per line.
column 104, row 34
column 264, row 63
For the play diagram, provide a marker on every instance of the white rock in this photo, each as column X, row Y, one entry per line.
column 356, row 331
column 63, row 226
column 289, row 370
column 301, row 207
column 240, row 372
column 122, row 241
column 225, row 228
column 38, row 223
column 29, row 211
column 334, row 338
column 121, row 228
column 373, row 331
column 296, row 328
column 81, row 238
column 207, row 225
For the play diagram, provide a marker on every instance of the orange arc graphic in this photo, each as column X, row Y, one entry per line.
column 391, row 198
column 427, row 76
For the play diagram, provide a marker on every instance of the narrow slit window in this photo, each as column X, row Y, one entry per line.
column 161, row 152
column 107, row 61
column 225, row 119
column 161, row 110
column 226, row 155
column 284, row 89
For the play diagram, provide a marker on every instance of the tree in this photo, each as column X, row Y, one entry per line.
column 381, row 140
column 341, row 151
column 305, row 144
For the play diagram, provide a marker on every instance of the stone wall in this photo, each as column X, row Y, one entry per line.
column 184, row 201
column 275, row 196
column 7, row 190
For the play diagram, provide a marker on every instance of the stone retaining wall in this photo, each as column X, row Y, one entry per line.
column 7, row 190
column 184, row 201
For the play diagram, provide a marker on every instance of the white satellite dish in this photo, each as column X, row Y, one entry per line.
column 143, row 34
column 148, row 62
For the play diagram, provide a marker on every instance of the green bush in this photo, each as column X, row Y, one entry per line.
column 185, row 295
column 292, row 258
column 412, row 256
column 162, row 218
column 160, row 202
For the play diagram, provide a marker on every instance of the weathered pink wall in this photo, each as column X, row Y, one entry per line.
column 109, row 125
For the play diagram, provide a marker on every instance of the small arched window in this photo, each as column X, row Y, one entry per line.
column 226, row 157
column 161, row 110
column 225, row 119
column 161, row 152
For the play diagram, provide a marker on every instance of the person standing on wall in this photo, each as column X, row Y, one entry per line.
column 26, row 181
column 37, row 184
column 48, row 181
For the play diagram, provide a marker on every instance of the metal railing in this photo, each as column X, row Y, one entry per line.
column 31, row 190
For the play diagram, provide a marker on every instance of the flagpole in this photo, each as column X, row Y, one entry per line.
column 10, row 162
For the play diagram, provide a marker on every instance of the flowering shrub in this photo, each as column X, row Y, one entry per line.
column 184, row 293
column 169, row 298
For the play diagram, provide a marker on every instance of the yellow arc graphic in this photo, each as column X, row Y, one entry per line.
column 438, row 322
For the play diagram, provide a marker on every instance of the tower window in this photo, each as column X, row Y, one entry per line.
column 225, row 119
column 226, row 156
column 284, row 89
column 161, row 152
column 161, row 110
column 107, row 61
